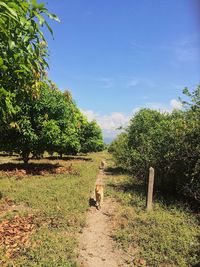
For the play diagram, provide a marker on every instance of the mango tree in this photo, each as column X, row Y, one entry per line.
column 91, row 138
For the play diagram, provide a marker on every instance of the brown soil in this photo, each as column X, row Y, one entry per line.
column 96, row 246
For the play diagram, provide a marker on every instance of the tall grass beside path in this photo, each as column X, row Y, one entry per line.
column 167, row 236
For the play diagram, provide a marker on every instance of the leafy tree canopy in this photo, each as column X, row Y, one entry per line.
column 34, row 115
column 170, row 142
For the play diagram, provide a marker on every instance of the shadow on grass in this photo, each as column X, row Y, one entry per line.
column 115, row 171
column 8, row 155
column 133, row 186
column 68, row 158
column 92, row 202
column 64, row 158
column 30, row 169
column 135, row 191
column 128, row 186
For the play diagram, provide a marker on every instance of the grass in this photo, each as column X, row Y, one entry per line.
column 167, row 236
column 58, row 204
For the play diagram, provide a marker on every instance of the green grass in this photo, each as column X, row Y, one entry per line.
column 58, row 203
column 167, row 236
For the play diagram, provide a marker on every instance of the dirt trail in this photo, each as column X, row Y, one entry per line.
column 96, row 247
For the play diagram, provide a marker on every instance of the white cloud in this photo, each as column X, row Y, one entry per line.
column 175, row 104
column 90, row 114
column 111, row 122
column 135, row 110
column 158, row 106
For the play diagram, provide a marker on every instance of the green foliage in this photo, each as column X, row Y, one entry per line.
column 192, row 146
column 168, row 142
column 50, row 134
column 23, row 52
column 119, row 149
column 34, row 115
column 23, row 49
column 51, row 122
column 6, row 108
column 56, row 116
column 91, row 137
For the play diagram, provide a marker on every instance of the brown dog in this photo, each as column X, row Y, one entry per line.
column 102, row 165
column 99, row 195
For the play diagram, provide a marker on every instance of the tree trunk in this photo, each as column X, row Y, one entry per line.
column 61, row 155
column 25, row 156
column 50, row 154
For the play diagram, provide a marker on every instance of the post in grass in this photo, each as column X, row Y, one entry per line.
column 150, row 189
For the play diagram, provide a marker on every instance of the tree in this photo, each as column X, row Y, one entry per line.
column 91, row 138
column 34, row 115
column 23, row 48
column 119, row 149
column 192, row 143
column 170, row 142
column 45, row 123
column 52, row 122
column 23, row 53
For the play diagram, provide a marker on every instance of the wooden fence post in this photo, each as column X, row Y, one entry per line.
column 150, row 189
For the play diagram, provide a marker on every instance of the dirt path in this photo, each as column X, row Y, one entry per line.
column 97, row 248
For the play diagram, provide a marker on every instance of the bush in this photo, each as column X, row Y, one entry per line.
column 169, row 142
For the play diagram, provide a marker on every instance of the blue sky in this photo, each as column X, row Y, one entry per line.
column 118, row 56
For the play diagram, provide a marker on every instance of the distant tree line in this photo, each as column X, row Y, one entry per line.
column 169, row 142
column 35, row 116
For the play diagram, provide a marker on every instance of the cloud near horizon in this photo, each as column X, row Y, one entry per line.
column 108, row 123
column 111, row 123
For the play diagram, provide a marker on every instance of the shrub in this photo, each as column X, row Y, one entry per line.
column 169, row 142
